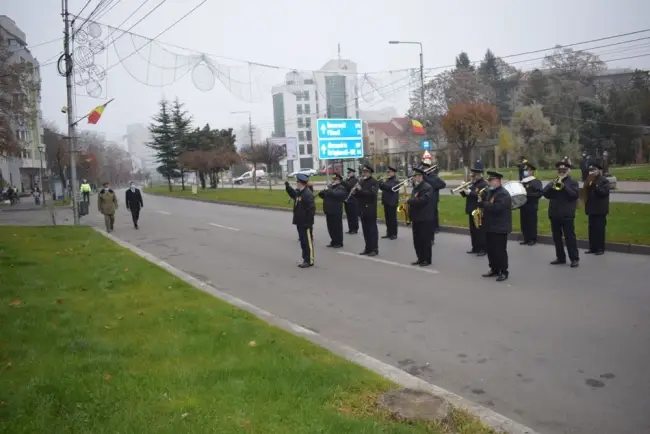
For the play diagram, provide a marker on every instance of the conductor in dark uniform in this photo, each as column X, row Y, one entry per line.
column 304, row 211
column 471, row 196
column 563, row 194
column 351, row 206
column 436, row 184
column 333, row 197
column 421, row 210
column 528, row 212
column 597, row 188
column 390, row 200
column 367, row 190
column 497, row 222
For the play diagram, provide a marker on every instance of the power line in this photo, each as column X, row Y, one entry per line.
column 85, row 6
column 136, row 23
column 107, row 10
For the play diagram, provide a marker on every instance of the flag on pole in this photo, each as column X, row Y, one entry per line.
column 417, row 127
column 94, row 115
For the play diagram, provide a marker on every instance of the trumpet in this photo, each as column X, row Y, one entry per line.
column 558, row 183
column 397, row 187
column 461, row 187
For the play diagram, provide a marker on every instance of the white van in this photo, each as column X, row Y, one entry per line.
column 248, row 177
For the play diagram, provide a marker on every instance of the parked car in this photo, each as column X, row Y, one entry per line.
column 308, row 172
column 248, row 177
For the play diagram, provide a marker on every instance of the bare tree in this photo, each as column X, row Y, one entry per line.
column 269, row 154
column 56, row 151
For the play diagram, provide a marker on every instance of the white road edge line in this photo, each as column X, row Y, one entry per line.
column 164, row 212
column 395, row 264
column 489, row 417
column 224, row 227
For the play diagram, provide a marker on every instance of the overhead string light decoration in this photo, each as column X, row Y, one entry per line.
column 88, row 46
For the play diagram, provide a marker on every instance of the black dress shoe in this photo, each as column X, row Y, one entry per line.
column 424, row 264
column 393, row 237
column 532, row 243
column 558, row 262
column 523, row 243
column 502, row 277
column 352, row 232
column 385, row 237
column 491, row 273
column 481, row 254
column 599, row 253
column 331, row 245
column 373, row 253
column 589, row 252
column 418, row 262
column 575, row 264
column 337, row 246
column 305, row 265
column 472, row 252
column 364, row 253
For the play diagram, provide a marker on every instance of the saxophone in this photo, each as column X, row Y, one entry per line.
column 477, row 214
column 403, row 207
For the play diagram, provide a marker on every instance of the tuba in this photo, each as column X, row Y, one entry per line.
column 403, row 207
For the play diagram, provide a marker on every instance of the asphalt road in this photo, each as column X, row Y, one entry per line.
column 614, row 197
column 560, row 350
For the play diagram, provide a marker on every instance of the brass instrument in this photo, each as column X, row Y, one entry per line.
column 461, row 187
column 527, row 179
column 477, row 214
column 403, row 207
column 398, row 186
column 558, row 183
column 584, row 192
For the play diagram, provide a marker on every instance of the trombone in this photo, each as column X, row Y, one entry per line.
column 398, row 186
column 461, row 187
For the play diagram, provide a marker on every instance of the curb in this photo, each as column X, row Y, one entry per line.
column 490, row 418
column 634, row 249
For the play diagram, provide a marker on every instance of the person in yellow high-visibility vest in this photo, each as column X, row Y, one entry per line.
column 85, row 190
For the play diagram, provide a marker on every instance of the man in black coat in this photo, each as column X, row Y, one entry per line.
column 366, row 192
column 351, row 205
column 390, row 200
column 134, row 203
column 436, row 184
column 421, row 210
column 333, row 197
column 304, row 211
column 597, row 207
column 585, row 163
column 528, row 211
column 497, row 223
column 471, row 196
column 563, row 195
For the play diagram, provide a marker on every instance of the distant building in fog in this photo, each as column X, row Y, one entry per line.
column 137, row 138
column 243, row 136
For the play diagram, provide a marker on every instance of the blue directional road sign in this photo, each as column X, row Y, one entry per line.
column 339, row 138
column 426, row 145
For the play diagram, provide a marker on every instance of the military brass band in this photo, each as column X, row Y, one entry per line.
column 488, row 205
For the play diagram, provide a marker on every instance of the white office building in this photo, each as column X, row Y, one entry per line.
column 22, row 170
column 137, row 136
column 331, row 92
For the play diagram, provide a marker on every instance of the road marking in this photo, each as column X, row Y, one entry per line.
column 224, row 227
column 164, row 212
column 395, row 264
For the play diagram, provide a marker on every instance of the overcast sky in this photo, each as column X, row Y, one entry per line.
column 304, row 36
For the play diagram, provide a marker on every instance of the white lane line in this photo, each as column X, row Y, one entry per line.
column 164, row 212
column 224, row 227
column 395, row 264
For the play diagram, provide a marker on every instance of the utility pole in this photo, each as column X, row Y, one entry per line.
column 250, row 135
column 70, row 111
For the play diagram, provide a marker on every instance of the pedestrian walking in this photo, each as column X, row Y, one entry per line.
column 134, row 203
column 107, row 205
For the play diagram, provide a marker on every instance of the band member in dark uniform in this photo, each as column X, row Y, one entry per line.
column 528, row 212
column 497, row 223
column 521, row 167
column 563, row 194
column 421, row 210
column 366, row 192
column 304, row 211
column 351, row 206
column 471, row 199
column 596, row 198
column 437, row 184
column 390, row 200
column 333, row 197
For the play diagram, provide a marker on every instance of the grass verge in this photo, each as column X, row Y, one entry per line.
column 627, row 222
column 97, row 340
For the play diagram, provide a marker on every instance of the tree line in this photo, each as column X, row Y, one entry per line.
column 568, row 106
column 181, row 148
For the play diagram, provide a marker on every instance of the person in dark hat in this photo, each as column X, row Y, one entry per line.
column 304, row 211
column 563, row 194
column 333, row 197
column 596, row 197
column 585, row 164
column 351, row 206
column 421, row 211
column 528, row 211
column 390, row 201
column 436, row 184
column 367, row 191
column 521, row 166
column 497, row 223
column 471, row 196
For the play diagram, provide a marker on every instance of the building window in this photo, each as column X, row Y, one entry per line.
column 308, row 122
column 301, row 150
column 309, row 81
column 305, row 95
column 301, row 136
column 298, row 96
column 299, row 109
column 308, row 133
column 301, row 123
column 307, row 109
column 310, row 148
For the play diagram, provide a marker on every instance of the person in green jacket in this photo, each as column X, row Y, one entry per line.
column 107, row 205
column 85, row 190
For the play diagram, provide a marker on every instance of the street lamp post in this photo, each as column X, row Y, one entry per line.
column 41, row 149
column 421, row 71
column 250, row 135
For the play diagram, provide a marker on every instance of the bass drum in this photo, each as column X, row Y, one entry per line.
column 517, row 192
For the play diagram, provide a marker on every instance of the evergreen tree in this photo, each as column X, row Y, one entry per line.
column 463, row 62
column 167, row 152
column 489, row 68
column 183, row 140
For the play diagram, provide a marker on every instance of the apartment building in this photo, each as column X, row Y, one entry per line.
column 22, row 170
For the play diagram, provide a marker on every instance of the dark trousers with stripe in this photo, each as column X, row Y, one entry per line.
column 306, row 235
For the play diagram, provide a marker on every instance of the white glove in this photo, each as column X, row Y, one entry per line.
column 467, row 191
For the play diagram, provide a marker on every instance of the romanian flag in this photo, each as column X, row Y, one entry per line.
column 94, row 115
column 417, row 127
